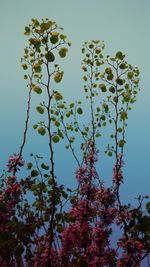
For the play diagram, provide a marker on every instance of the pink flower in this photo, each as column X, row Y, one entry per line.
column 14, row 163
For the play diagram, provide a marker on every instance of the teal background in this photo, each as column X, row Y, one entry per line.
column 123, row 25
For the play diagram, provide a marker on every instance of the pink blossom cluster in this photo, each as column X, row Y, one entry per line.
column 9, row 198
column 132, row 252
column 14, row 163
column 123, row 216
column 117, row 177
column 42, row 255
column 85, row 240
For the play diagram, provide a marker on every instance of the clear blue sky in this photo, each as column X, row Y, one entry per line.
column 123, row 25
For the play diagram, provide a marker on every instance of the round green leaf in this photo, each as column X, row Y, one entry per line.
column 112, row 89
column 122, row 66
column 45, row 167
column 79, row 110
column 63, row 51
column 119, row 55
column 58, row 96
column 121, row 143
column 34, row 173
column 37, row 89
column 50, row 57
column 41, row 131
column 54, row 39
column 103, row 87
column 97, row 50
column 58, row 76
column 119, row 81
column 29, row 165
column 37, row 67
column 55, row 139
column 27, row 31
column 35, row 126
column 110, row 76
column 130, row 75
column 108, row 70
column 40, row 109
column 25, row 66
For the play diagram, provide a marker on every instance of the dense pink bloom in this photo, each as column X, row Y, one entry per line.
column 14, row 163
column 8, row 198
column 42, row 256
column 132, row 252
column 85, row 240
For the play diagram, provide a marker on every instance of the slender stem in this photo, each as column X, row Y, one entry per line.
column 27, row 121
column 51, row 230
column 91, row 101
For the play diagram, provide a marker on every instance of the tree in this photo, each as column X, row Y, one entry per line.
column 45, row 232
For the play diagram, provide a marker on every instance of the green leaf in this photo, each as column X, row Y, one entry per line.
column 55, row 34
column 97, row 50
column 145, row 224
column 148, row 207
column 37, row 67
column 83, row 50
column 122, row 66
column 130, row 75
column 41, row 131
column 35, row 22
column 112, row 89
column 37, row 89
column 102, row 86
column 105, row 106
column 54, row 39
column 58, row 96
column 91, row 46
column 29, row 165
column 85, row 78
column 109, row 153
column 46, row 25
column 58, row 76
column 121, row 143
column 27, row 31
column 108, row 70
column 97, row 135
column 35, row 42
column 79, row 110
column 63, row 51
column 63, row 37
column 35, row 126
column 60, row 133
column 110, row 76
column 119, row 55
column 123, row 115
column 71, row 105
column 34, row 173
column 45, row 167
column 126, row 97
column 40, row 109
column 119, row 130
column 103, row 118
column 119, row 81
column 68, row 114
column 50, row 57
column 55, row 139
column 57, row 124
column 25, row 66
